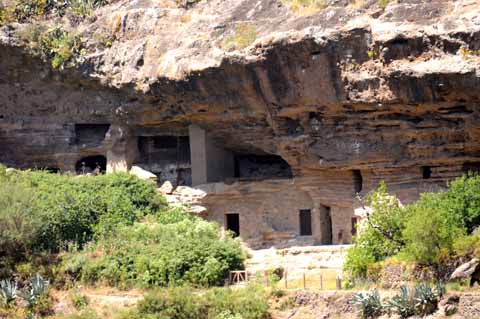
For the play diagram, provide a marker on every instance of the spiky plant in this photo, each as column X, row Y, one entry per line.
column 38, row 286
column 403, row 303
column 426, row 299
column 8, row 291
column 370, row 303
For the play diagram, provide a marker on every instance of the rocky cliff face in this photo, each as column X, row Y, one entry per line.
column 389, row 93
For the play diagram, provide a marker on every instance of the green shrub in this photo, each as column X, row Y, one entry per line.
column 27, row 10
column 383, row 3
column 23, row 10
column 20, row 224
column 189, row 251
column 79, row 300
column 42, row 211
column 82, row 8
column 380, row 235
column 428, row 232
column 173, row 215
column 369, row 303
column 245, row 34
column 217, row 303
column 3, row 15
column 60, row 47
column 467, row 246
column 461, row 203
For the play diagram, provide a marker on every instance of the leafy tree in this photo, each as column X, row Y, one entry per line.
column 380, row 235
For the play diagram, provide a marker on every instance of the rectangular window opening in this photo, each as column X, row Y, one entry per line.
column 233, row 223
column 305, row 222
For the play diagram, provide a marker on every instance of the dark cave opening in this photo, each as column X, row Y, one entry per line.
column 471, row 167
column 252, row 167
column 357, row 180
column 426, row 172
column 168, row 157
column 96, row 164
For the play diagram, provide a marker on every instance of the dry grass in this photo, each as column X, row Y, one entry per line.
column 306, row 7
column 312, row 280
column 358, row 4
column 245, row 34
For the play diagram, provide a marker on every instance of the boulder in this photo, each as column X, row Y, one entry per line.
column 166, row 188
column 143, row 174
column 466, row 270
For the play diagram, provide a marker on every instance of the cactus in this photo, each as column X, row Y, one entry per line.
column 8, row 291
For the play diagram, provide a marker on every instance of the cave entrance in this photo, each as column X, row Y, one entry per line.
column 233, row 223
column 168, row 157
column 258, row 167
column 326, row 225
column 96, row 164
column 90, row 135
column 357, row 180
column 426, row 172
column 471, row 167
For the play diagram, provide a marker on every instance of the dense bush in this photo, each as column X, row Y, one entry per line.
column 59, row 46
column 26, row 10
column 152, row 254
column 429, row 231
column 218, row 303
column 381, row 234
column 40, row 211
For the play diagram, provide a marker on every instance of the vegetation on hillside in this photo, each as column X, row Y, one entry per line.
column 152, row 254
column 217, row 303
column 245, row 34
column 431, row 231
column 27, row 10
column 112, row 230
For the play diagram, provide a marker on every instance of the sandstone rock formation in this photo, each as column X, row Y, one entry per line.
column 321, row 106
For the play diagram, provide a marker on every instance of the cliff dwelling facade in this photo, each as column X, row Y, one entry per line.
column 284, row 135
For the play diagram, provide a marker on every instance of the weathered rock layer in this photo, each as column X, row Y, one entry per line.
column 345, row 96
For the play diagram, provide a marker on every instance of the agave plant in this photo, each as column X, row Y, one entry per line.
column 8, row 291
column 426, row 299
column 37, row 287
column 403, row 303
column 441, row 289
column 370, row 303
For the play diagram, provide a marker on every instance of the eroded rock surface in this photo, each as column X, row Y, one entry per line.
column 345, row 96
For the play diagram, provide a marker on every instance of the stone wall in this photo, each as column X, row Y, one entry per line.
column 269, row 211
